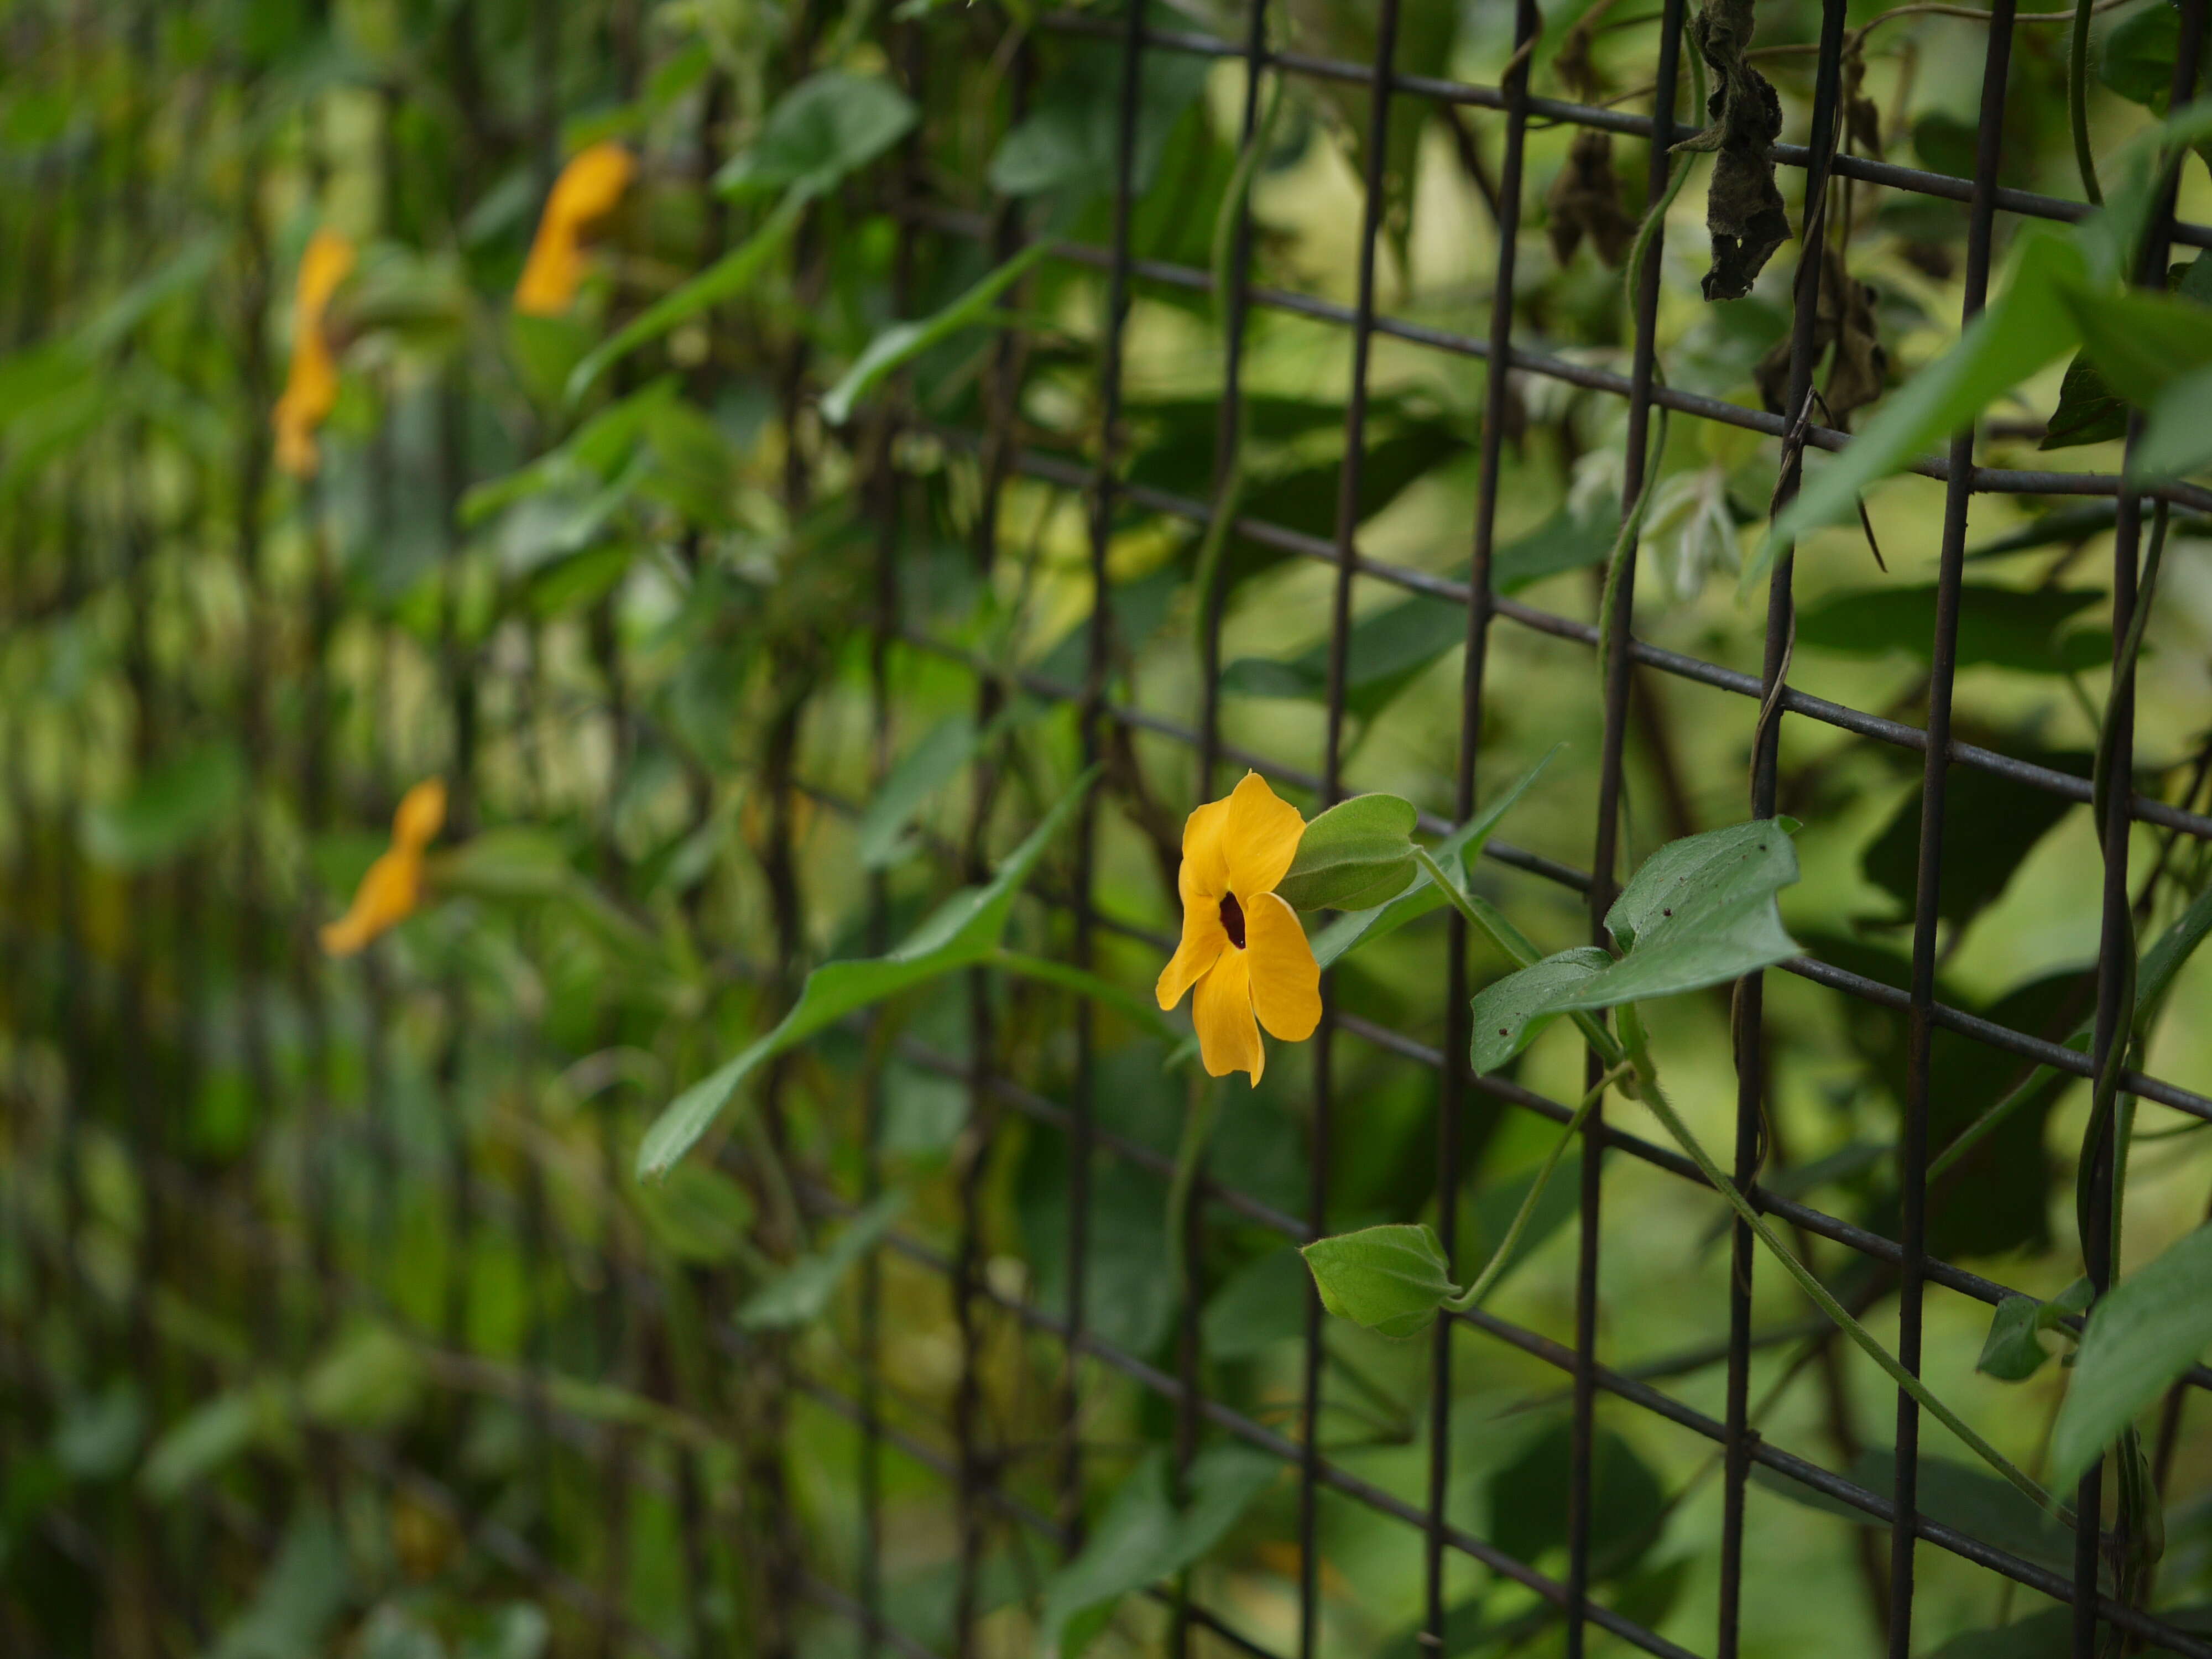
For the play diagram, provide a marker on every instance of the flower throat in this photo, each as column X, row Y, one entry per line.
column 1232, row 919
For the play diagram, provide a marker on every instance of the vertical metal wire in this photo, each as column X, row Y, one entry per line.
column 1943, row 660
column 1091, row 715
column 1618, row 672
column 1749, row 1009
column 2116, row 947
column 1382, row 74
column 1451, row 1099
column 1234, row 306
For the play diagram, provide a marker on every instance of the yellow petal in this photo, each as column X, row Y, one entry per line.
column 587, row 189
column 422, row 814
column 1261, row 838
column 386, row 896
column 327, row 261
column 310, row 386
column 1285, row 978
column 1203, row 939
column 1228, row 1037
column 1204, row 859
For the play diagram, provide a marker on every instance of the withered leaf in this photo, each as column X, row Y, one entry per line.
column 1743, row 207
column 1845, row 319
column 1585, row 200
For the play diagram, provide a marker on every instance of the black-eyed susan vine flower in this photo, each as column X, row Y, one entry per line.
column 586, row 191
column 1243, row 947
column 311, row 389
column 392, row 888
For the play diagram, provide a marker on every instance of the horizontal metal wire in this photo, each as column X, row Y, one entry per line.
column 1965, row 1545
column 1986, row 480
column 2020, row 1044
column 1915, row 180
column 2147, row 809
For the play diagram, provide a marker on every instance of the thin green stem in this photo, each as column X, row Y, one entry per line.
column 1648, row 1089
column 1198, row 1121
column 2077, row 102
column 1485, row 917
column 1501, row 1257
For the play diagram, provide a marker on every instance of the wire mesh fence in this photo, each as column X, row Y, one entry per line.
column 330, row 1275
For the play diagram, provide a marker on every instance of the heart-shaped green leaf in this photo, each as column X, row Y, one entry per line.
column 1510, row 1012
column 1391, row 1279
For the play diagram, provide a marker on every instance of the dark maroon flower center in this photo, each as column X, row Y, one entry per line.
column 1232, row 919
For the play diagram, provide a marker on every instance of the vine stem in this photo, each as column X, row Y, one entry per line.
column 1495, row 1269
column 1198, row 1121
column 1647, row 1089
column 2077, row 102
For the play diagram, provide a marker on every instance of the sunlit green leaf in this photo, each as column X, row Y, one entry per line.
column 1455, row 852
column 902, row 342
column 1358, row 853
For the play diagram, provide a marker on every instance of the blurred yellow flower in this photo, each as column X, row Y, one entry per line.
column 587, row 189
column 393, row 887
column 1243, row 945
column 311, row 391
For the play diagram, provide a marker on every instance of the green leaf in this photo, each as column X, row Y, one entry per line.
column 960, row 934
column 369, row 1378
column 1455, row 852
column 1700, row 912
column 511, row 861
column 1067, row 144
column 2014, row 1351
column 1263, row 1304
column 2024, row 328
column 1510, row 1013
column 2145, row 1331
column 2000, row 627
column 299, row 1600
column 828, row 125
column 1957, row 1494
column 1990, row 825
column 2177, row 437
column 2135, row 57
column 2089, row 411
column 697, row 1214
column 1391, row 1279
column 1562, row 542
column 2173, row 948
column 1357, row 855
column 1144, row 1538
column 2140, row 342
column 171, row 809
column 204, row 1440
column 800, row 1294
column 1384, row 650
column 596, row 451
column 727, row 277
column 1529, row 1502
column 902, row 342
column 921, row 773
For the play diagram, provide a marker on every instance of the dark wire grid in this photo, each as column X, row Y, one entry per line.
column 1742, row 1446
column 1912, row 1140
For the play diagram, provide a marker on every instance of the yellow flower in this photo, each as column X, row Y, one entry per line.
column 393, row 887
column 1243, row 945
column 587, row 189
column 311, row 391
